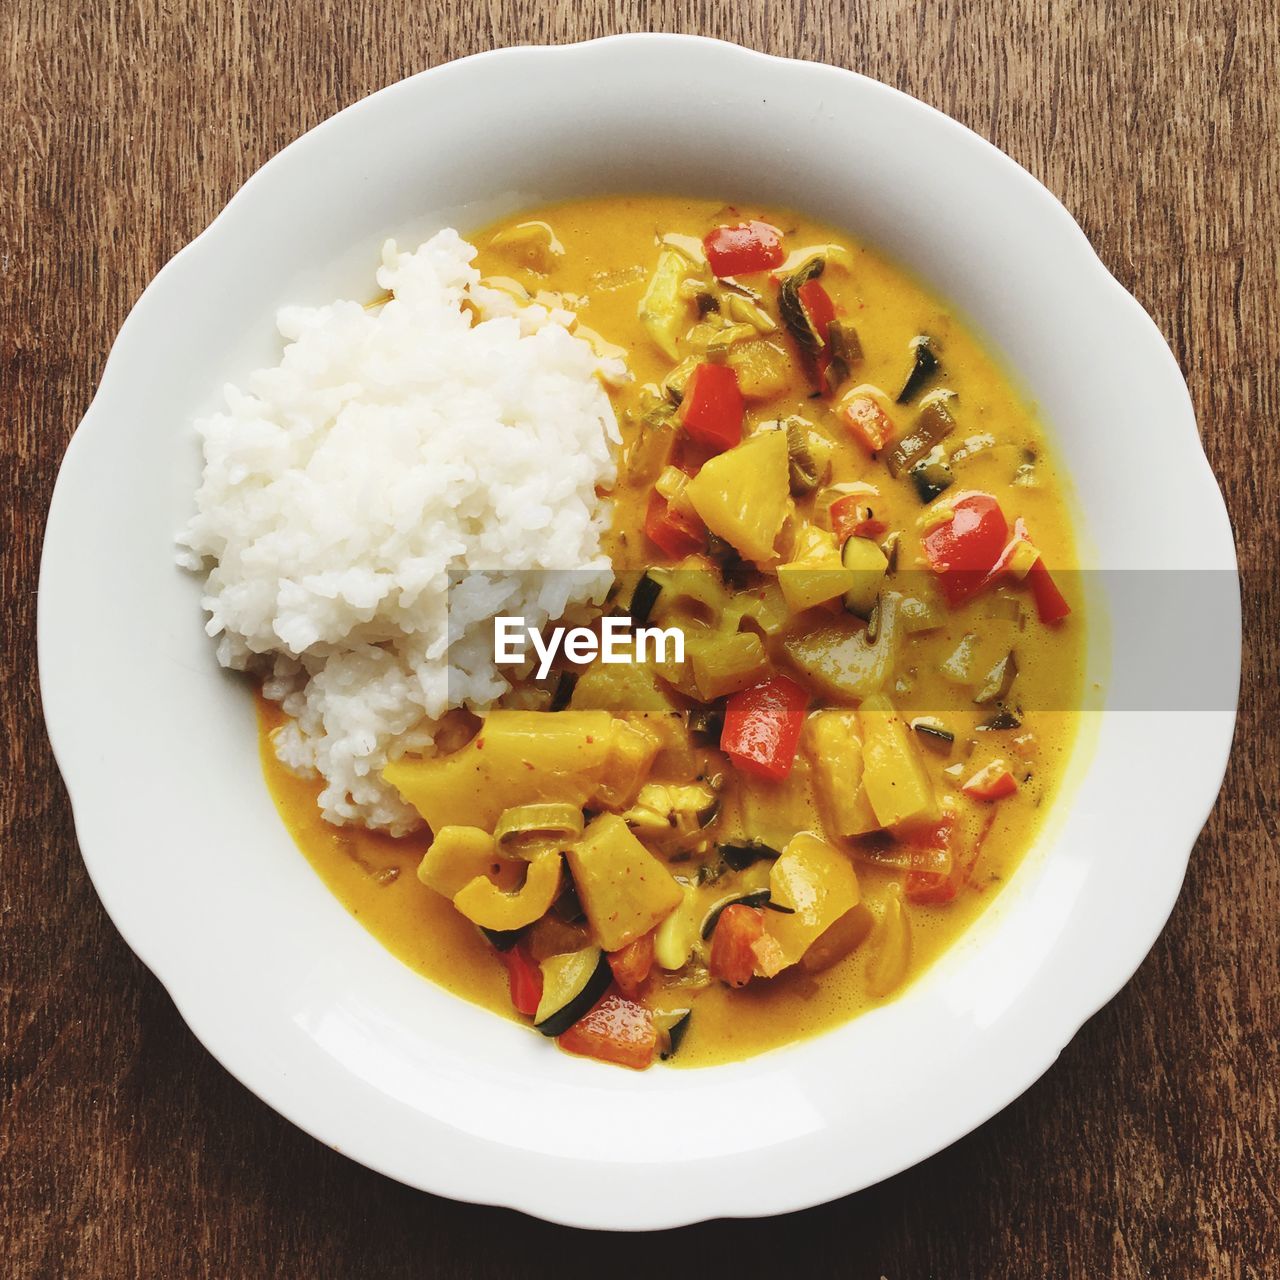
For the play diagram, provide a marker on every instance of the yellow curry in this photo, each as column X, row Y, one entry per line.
column 838, row 501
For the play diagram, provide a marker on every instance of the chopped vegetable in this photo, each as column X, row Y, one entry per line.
column 924, row 365
column 455, row 857
column 892, row 952
column 933, row 424
column 726, row 663
column 664, row 307
column 992, row 782
column 795, row 315
column 484, row 903
column 763, row 369
column 530, row 244
column 843, row 660
column 817, row 575
column 818, row 884
column 851, row 518
column 762, row 727
column 866, row 421
column 528, row 827
column 677, row 934
column 524, row 979
column 835, row 745
column 518, row 757
column 893, row 773
column 934, row 732
column 820, row 312
column 643, row 598
column 712, row 408
column 931, row 475
column 868, row 565
column 571, row 984
column 624, row 889
column 998, row 681
column 750, row 898
column 935, row 872
column 1051, row 604
column 808, row 456
column 631, row 966
column 744, row 494
column 963, row 550
column 741, row 250
column 733, row 958
column 670, row 529
column 673, row 1025
column 843, row 354
column 615, row 1030
column 840, row 938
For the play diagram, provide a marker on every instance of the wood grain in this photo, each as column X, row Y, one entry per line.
column 1150, row 1150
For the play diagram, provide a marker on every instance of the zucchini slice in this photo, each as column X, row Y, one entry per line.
column 571, row 984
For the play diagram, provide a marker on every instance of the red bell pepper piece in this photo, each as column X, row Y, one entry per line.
column 1051, row 605
column 850, row 519
column 992, row 782
column 740, row 250
column 675, row 532
column 733, row 957
column 965, row 550
column 762, row 727
column 524, row 977
column 614, row 1030
column 712, row 408
column 631, row 965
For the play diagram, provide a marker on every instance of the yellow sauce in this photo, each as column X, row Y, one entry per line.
column 610, row 247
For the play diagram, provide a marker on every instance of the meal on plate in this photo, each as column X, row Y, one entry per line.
column 751, row 436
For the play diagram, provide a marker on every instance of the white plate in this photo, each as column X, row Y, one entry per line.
column 158, row 749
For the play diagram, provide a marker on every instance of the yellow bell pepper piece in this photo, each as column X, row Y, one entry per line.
column 623, row 888
column 892, row 772
column 818, row 884
column 518, row 757
column 483, row 903
column 744, row 494
column 836, row 748
column 456, row 857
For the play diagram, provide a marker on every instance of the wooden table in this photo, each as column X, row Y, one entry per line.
column 1149, row 1150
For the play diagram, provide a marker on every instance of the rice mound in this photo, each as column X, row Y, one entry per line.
column 454, row 430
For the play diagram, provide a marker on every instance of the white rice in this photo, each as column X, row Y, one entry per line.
column 389, row 447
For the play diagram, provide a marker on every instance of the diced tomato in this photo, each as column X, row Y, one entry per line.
column 762, row 727
column 614, row 1030
column 740, row 250
column 1051, row 605
column 675, row 532
column 733, row 956
column 712, row 408
column 524, row 978
column 632, row 964
column 851, row 519
column 992, row 782
column 866, row 421
column 964, row 550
